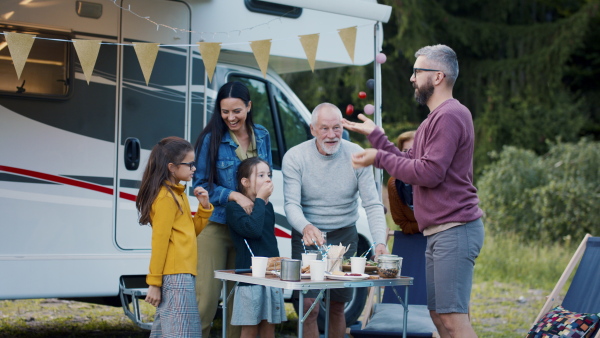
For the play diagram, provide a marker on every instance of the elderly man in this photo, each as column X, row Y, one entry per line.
column 321, row 192
column 440, row 168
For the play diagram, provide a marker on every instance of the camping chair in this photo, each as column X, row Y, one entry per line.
column 387, row 316
column 583, row 295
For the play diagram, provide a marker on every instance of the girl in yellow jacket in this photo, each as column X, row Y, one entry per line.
column 162, row 202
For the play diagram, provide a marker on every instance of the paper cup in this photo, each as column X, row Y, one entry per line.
column 317, row 270
column 307, row 257
column 358, row 264
column 259, row 266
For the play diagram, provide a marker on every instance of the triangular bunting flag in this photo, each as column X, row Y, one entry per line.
column 348, row 36
column 261, row 50
column 210, row 55
column 146, row 53
column 19, row 46
column 87, row 51
column 309, row 43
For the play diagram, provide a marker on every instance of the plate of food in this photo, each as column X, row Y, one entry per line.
column 347, row 276
column 370, row 266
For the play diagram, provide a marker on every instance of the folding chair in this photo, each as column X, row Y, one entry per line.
column 583, row 295
column 387, row 316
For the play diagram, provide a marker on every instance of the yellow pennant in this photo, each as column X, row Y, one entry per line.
column 261, row 50
column 210, row 55
column 146, row 53
column 87, row 51
column 19, row 46
column 310, row 43
column 348, row 36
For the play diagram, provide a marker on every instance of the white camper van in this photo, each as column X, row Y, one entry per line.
column 72, row 153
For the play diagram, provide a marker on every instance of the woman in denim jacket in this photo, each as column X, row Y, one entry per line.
column 229, row 138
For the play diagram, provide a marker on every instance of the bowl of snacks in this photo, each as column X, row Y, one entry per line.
column 389, row 266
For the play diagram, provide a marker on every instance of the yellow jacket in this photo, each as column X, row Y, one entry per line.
column 174, row 248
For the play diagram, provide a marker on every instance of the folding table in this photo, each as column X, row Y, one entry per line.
column 304, row 286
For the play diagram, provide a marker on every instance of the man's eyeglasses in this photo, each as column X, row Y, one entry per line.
column 189, row 164
column 424, row 70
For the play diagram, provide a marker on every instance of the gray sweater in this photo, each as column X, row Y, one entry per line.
column 323, row 190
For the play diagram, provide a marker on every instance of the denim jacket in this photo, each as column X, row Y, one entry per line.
column 227, row 165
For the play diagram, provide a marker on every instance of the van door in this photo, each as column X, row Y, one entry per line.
column 150, row 112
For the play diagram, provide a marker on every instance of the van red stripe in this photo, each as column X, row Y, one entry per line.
column 58, row 179
column 127, row 196
column 281, row 233
column 90, row 186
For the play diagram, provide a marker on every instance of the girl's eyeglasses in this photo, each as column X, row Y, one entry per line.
column 189, row 164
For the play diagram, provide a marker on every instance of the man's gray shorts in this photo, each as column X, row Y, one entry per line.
column 346, row 236
column 450, row 259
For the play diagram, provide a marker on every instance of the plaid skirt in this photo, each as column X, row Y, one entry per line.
column 177, row 314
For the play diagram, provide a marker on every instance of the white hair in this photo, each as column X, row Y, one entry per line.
column 317, row 110
column 444, row 57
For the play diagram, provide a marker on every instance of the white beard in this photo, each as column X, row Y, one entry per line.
column 329, row 150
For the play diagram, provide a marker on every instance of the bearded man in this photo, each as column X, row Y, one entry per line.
column 321, row 192
column 440, row 168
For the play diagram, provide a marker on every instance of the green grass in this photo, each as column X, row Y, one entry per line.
column 512, row 280
column 504, row 310
column 62, row 318
column 505, row 258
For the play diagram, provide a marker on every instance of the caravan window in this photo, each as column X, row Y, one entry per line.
column 46, row 72
column 261, row 109
column 295, row 130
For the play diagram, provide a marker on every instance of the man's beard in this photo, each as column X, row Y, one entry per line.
column 424, row 93
column 329, row 150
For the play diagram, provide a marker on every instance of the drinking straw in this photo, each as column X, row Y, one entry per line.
column 252, row 253
column 324, row 255
column 303, row 246
column 365, row 254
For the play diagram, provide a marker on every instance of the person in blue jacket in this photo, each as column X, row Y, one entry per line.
column 229, row 138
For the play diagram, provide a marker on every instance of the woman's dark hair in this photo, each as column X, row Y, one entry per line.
column 245, row 171
column 216, row 127
column 169, row 150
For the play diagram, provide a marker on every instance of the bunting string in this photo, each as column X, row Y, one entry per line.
column 214, row 34
column 187, row 44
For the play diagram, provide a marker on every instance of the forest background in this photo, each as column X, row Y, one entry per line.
column 530, row 75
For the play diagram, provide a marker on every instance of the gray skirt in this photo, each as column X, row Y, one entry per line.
column 255, row 303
